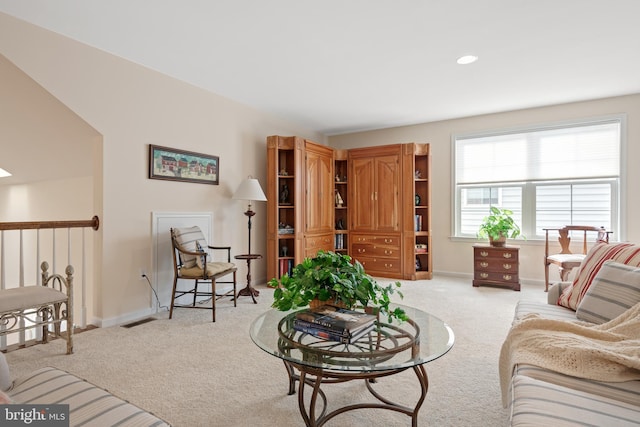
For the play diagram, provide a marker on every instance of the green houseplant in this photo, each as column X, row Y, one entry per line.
column 498, row 226
column 333, row 278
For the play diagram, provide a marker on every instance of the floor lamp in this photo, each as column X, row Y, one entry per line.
column 249, row 190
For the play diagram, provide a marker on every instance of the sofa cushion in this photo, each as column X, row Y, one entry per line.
column 539, row 403
column 5, row 375
column 624, row 253
column 524, row 307
column 625, row 391
column 88, row 405
column 615, row 289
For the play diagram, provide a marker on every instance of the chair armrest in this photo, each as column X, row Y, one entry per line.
column 223, row 248
column 555, row 290
column 196, row 253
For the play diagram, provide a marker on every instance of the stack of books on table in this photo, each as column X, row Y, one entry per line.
column 334, row 324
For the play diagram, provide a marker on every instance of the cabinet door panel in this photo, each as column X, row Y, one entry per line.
column 319, row 193
column 387, row 193
column 313, row 244
column 362, row 193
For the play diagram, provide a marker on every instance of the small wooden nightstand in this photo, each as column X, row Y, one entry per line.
column 497, row 266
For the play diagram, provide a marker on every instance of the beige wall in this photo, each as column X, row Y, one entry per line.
column 131, row 107
column 455, row 256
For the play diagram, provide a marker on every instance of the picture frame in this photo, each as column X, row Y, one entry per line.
column 180, row 165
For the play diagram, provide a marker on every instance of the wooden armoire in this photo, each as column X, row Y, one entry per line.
column 372, row 203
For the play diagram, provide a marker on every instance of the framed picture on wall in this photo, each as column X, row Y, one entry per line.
column 180, row 165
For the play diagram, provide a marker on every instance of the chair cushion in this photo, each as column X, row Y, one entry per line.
column 25, row 297
column 614, row 290
column 189, row 238
column 563, row 258
column 625, row 253
column 213, row 269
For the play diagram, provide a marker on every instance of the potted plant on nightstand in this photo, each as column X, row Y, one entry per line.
column 332, row 278
column 498, row 226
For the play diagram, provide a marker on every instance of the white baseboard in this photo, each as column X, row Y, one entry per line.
column 123, row 319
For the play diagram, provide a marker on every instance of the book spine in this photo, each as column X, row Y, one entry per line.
column 321, row 326
column 325, row 325
column 321, row 333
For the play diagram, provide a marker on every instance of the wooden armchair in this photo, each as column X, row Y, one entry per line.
column 565, row 259
column 190, row 263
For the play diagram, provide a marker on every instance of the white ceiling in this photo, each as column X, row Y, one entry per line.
column 339, row 66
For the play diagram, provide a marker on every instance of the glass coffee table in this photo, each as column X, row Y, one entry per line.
column 389, row 349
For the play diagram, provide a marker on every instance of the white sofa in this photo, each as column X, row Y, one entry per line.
column 603, row 290
column 89, row 405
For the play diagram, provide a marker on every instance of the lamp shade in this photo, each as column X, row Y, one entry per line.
column 250, row 189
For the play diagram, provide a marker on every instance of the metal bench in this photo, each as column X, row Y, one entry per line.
column 43, row 306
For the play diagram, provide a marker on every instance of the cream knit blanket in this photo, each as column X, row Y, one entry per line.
column 607, row 352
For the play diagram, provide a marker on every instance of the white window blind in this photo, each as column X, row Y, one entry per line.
column 576, row 152
column 548, row 176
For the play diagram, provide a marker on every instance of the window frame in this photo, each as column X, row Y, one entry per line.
column 528, row 225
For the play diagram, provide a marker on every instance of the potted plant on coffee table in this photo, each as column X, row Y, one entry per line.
column 498, row 226
column 336, row 279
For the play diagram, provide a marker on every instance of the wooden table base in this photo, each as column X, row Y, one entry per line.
column 249, row 291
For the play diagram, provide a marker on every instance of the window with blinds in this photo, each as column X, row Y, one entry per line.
column 548, row 176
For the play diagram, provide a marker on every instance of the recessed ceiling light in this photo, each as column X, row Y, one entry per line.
column 4, row 173
column 467, row 59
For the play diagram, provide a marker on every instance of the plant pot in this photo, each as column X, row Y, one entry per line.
column 315, row 303
column 502, row 241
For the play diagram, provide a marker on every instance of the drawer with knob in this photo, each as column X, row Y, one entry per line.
column 498, row 266
column 379, row 254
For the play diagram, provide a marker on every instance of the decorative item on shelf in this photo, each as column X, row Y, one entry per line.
column 283, row 172
column 418, row 264
column 498, row 226
column 334, row 279
column 250, row 190
column 418, row 174
column 339, row 201
column 337, row 178
column 284, row 251
column 421, row 248
column 285, row 228
column 284, row 194
column 340, row 224
column 418, row 200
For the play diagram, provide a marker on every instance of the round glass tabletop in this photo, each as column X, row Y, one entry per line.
column 389, row 346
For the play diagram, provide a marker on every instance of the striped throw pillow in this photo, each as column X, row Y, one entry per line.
column 624, row 253
column 189, row 238
column 615, row 289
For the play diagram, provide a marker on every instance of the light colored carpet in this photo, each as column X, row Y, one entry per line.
column 192, row 372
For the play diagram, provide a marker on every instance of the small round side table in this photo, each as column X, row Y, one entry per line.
column 249, row 290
